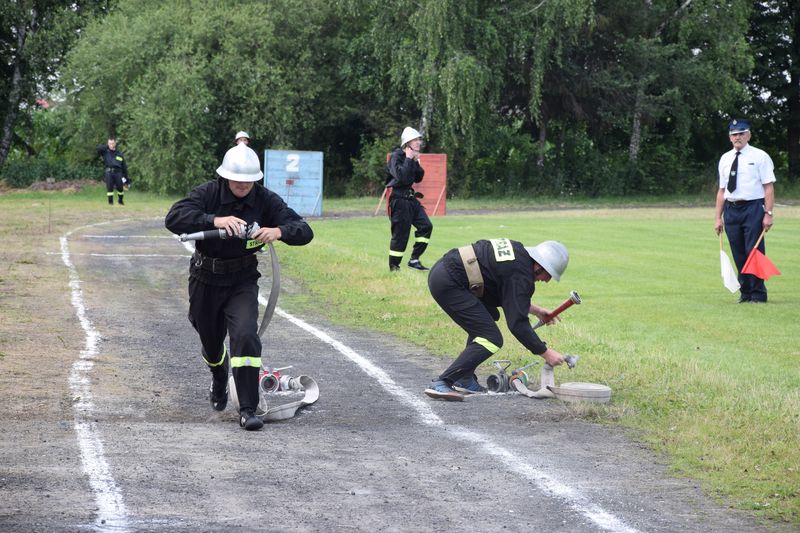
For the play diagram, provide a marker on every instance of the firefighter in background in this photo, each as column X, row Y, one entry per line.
column 405, row 210
column 471, row 282
column 242, row 137
column 223, row 274
column 116, row 170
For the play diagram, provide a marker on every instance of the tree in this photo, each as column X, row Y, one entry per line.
column 775, row 82
column 175, row 81
column 34, row 38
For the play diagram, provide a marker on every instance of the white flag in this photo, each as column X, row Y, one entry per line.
column 729, row 278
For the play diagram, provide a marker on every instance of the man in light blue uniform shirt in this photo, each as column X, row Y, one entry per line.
column 745, row 200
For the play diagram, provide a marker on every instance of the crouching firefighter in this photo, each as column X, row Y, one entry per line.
column 403, row 171
column 471, row 282
column 223, row 274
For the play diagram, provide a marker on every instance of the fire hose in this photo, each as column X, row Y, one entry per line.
column 300, row 383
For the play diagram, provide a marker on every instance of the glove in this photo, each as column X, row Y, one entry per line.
column 419, row 194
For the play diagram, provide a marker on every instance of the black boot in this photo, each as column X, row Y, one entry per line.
column 218, row 393
column 110, row 200
column 119, row 200
column 249, row 421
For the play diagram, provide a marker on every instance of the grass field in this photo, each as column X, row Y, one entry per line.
column 712, row 385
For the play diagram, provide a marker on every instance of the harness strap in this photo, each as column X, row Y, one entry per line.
column 473, row 269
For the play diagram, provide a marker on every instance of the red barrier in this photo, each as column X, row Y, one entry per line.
column 433, row 186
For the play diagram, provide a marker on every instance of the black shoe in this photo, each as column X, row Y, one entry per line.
column 120, row 202
column 393, row 268
column 744, row 300
column 218, row 394
column 414, row 263
column 249, row 421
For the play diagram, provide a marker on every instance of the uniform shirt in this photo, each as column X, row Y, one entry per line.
column 507, row 272
column 214, row 198
column 754, row 170
column 113, row 159
column 403, row 173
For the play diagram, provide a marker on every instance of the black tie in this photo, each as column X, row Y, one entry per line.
column 732, row 176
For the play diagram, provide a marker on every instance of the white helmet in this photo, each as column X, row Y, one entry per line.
column 240, row 164
column 241, row 135
column 408, row 135
column 552, row 256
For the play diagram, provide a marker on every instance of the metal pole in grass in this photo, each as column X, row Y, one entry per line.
column 380, row 201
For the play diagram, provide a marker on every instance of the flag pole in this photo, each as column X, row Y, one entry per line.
column 759, row 239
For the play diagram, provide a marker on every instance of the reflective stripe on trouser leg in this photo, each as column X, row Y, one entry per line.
column 395, row 258
column 401, row 226
column 424, row 229
column 220, row 361
column 486, row 343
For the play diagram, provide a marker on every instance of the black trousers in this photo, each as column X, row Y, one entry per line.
column 233, row 311
column 113, row 181
column 743, row 225
column 406, row 212
column 467, row 311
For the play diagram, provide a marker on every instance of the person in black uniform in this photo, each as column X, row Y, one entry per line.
column 405, row 210
column 223, row 278
column 471, row 282
column 745, row 198
column 116, row 170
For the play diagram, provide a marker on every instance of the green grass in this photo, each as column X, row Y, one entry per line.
column 713, row 385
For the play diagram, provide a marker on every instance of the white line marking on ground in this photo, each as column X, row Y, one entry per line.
column 111, row 513
column 513, row 462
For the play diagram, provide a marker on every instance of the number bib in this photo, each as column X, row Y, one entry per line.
column 503, row 251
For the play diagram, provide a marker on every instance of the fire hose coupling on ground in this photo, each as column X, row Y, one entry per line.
column 569, row 392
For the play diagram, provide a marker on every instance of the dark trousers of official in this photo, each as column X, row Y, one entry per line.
column 219, row 311
column 113, row 181
column 406, row 212
column 467, row 311
column 743, row 225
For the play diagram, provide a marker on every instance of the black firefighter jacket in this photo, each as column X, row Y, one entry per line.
column 214, row 198
column 508, row 284
column 402, row 174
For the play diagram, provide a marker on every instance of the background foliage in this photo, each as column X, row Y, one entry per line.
column 558, row 97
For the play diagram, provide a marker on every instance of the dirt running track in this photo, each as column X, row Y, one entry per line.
column 134, row 446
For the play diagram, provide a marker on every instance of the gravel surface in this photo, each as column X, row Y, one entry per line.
column 137, row 447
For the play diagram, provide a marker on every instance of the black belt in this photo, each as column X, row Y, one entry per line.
column 216, row 265
column 113, row 169
column 743, row 202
